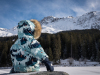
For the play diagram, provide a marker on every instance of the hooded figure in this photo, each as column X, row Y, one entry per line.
column 26, row 52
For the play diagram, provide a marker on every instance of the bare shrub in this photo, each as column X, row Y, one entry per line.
column 85, row 60
column 70, row 60
column 80, row 61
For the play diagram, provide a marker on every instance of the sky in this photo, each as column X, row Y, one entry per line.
column 13, row 11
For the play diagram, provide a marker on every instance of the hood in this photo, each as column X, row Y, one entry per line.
column 26, row 29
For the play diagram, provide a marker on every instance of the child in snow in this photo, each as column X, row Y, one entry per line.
column 26, row 52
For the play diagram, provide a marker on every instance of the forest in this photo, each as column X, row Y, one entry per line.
column 84, row 44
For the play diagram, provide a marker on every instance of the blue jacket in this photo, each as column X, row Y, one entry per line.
column 26, row 52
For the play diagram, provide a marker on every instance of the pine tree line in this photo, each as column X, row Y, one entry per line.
column 5, row 44
column 84, row 44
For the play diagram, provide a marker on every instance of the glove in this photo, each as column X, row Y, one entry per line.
column 48, row 65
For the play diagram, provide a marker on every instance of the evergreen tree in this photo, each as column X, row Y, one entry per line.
column 59, row 46
column 55, row 47
column 62, row 36
column 98, row 56
column 3, row 58
column 50, row 54
column 48, row 42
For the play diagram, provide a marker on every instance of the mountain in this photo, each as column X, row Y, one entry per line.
column 89, row 20
column 8, row 32
column 52, row 24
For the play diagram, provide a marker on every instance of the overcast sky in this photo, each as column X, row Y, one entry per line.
column 12, row 11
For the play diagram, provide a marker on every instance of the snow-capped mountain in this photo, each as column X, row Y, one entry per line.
column 89, row 20
column 8, row 32
column 52, row 24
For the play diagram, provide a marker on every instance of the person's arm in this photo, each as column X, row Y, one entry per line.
column 39, row 53
column 48, row 65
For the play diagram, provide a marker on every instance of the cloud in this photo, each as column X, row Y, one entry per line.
column 93, row 3
column 13, row 11
column 79, row 11
column 89, row 5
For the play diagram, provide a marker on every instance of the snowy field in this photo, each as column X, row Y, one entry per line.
column 77, row 68
column 69, row 70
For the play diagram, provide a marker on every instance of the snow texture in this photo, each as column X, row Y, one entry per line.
column 51, row 73
column 69, row 70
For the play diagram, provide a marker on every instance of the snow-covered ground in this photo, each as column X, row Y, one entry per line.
column 77, row 68
column 69, row 70
column 80, row 63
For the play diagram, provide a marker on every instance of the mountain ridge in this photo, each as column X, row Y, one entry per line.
column 50, row 24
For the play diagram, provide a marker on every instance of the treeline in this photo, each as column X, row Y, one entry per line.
column 5, row 44
column 84, row 44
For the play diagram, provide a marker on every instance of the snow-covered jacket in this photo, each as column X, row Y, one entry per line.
column 26, row 52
